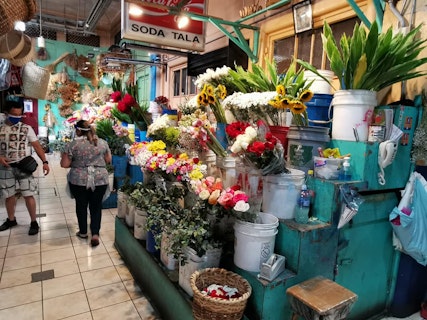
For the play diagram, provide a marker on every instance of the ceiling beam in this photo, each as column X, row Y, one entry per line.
column 96, row 13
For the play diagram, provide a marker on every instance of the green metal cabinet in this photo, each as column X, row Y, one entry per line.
column 366, row 258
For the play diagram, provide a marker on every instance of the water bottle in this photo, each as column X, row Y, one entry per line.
column 345, row 172
column 303, row 205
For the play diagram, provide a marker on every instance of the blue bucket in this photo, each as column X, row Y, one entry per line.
column 318, row 110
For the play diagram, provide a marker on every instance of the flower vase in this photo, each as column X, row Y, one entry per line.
column 227, row 170
column 250, row 181
column 281, row 133
column 221, row 135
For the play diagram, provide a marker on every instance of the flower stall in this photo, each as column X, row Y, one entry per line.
column 219, row 172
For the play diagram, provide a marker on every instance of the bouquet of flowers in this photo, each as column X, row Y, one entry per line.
column 162, row 101
column 211, row 96
column 292, row 92
column 127, row 109
column 153, row 157
column 257, row 147
column 162, row 129
column 198, row 128
column 211, row 190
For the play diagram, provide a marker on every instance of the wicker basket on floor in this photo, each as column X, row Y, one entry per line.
column 208, row 308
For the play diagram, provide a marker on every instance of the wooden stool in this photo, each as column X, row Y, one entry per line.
column 320, row 298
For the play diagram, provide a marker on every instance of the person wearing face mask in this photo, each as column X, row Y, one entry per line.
column 12, row 179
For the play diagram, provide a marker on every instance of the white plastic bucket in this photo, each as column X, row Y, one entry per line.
column 43, row 132
column 130, row 216
column 193, row 263
column 170, row 262
column 281, row 192
column 122, row 205
column 353, row 110
column 319, row 85
column 140, row 224
column 254, row 242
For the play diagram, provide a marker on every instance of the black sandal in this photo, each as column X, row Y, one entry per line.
column 81, row 235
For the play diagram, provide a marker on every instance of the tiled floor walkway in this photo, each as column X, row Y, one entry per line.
column 81, row 282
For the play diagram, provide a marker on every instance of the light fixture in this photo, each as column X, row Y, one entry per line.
column 182, row 21
column 40, row 40
column 20, row 26
column 135, row 10
column 303, row 16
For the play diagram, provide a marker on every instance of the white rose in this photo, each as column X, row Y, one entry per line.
column 241, row 206
column 204, row 194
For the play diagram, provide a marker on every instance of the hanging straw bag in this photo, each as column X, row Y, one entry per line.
column 35, row 80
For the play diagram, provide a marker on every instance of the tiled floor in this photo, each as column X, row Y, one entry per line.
column 81, row 282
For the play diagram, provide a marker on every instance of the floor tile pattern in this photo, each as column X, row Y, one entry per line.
column 55, row 275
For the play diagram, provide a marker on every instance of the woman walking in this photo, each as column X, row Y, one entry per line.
column 87, row 156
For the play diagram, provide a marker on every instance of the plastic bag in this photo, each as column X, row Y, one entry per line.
column 4, row 74
column 409, row 219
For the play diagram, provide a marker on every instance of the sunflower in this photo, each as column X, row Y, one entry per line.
column 297, row 107
column 306, row 95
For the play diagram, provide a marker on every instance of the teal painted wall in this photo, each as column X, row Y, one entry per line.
column 56, row 49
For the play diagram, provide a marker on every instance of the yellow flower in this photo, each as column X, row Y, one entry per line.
column 281, row 90
column 202, row 99
column 222, row 91
column 211, row 99
column 183, row 156
column 284, row 103
column 297, row 107
column 209, row 90
column 196, row 174
column 156, row 145
column 170, row 161
column 306, row 95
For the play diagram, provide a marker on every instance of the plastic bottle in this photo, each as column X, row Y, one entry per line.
column 345, row 172
column 303, row 205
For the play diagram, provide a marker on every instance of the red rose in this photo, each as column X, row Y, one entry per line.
column 129, row 100
column 236, row 128
column 257, row 147
column 269, row 145
column 116, row 96
column 123, row 107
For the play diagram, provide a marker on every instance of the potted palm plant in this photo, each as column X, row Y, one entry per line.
column 366, row 62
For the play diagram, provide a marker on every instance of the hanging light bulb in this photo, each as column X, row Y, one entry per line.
column 41, row 43
column 183, row 21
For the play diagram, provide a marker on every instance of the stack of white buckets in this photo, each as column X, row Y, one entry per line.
column 254, row 242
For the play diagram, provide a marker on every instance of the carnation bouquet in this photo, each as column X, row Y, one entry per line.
column 197, row 128
column 153, row 158
column 257, row 147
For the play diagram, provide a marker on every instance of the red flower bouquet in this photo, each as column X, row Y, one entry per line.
column 257, row 147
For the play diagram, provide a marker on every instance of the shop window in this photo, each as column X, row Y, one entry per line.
column 183, row 84
column 308, row 45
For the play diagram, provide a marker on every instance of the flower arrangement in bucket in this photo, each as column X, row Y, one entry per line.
column 128, row 109
column 366, row 62
column 197, row 128
column 257, row 147
column 268, row 96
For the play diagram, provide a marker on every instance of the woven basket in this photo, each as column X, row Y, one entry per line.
column 11, row 44
column 32, row 8
column 208, row 308
column 11, row 11
column 27, row 54
column 35, row 80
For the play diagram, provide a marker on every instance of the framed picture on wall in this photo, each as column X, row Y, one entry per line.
column 303, row 16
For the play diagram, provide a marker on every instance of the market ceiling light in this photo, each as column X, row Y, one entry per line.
column 183, row 21
column 135, row 10
column 19, row 26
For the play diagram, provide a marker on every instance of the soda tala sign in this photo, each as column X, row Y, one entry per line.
column 151, row 24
